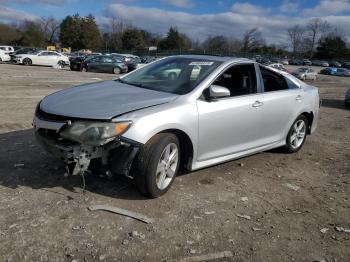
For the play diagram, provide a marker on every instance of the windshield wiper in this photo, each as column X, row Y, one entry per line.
column 127, row 83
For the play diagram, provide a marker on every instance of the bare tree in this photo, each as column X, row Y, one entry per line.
column 114, row 31
column 252, row 39
column 296, row 34
column 316, row 27
column 50, row 26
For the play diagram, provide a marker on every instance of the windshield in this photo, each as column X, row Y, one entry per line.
column 176, row 75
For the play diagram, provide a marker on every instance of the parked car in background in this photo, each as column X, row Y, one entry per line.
column 295, row 62
column 305, row 73
column 104, row 64
column 148, row 59
column 342, row 72
column 145, row 126
column 133, row 62
column 334, row 64
column 43, row 58
column 7, row 49
column 278, row 66
column 4, row 57
column 284, row 61
column 24, row 50
column 329, row 71
column 77, row 61
column 347, row 98
column 320, row 63
column 346, row 65
column 307, row 62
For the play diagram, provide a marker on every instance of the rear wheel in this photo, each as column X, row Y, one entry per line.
column 84, row 69
column 157, row 165
column 297, row 135
column 116, row 70
column 27, row 61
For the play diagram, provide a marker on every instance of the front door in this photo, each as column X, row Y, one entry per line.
column 231, row 125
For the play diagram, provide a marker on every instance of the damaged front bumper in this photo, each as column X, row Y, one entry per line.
column 116, row 156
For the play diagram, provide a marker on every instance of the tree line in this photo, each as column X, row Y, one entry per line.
column 316, row 39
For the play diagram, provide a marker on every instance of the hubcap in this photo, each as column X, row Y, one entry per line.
column 298, row 134
column 167, row 166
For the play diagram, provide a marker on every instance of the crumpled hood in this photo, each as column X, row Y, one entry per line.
column 103, row 100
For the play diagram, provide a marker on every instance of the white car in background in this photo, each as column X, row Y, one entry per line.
column 305, row 73
column 43, row 58
column 4, row 57
column 7, row 49
column 278, row 66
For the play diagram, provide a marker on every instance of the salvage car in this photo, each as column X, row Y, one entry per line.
column 43, row 58
column 104, row 64
column 304, row 73
column 146, row 126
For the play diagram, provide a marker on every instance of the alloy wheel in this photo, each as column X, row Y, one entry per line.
column 167, row 166
column 298, row 134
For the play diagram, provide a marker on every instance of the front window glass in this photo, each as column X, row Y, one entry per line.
column 177, row 75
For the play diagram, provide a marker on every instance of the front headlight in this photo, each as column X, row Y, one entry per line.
column 94, row 133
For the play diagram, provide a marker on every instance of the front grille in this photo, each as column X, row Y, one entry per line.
column 51, row 117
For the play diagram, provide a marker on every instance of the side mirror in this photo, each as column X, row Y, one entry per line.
column 216, row 91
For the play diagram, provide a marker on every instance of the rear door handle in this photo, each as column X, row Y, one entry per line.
column 257, row 104
column 299, row 98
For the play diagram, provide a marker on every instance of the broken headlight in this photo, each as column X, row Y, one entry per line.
column 94, row 133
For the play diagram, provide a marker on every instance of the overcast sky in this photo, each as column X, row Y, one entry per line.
column 197, row 18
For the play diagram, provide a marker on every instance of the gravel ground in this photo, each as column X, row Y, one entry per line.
column 268, row 207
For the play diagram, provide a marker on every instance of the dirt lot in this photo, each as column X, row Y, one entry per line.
column 44, row 215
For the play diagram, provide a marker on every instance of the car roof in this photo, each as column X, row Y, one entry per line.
column 216, row 58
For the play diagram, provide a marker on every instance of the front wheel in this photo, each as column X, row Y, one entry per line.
column 157, row 165
column 61, row 64
column 297, row 135
column 27, row 61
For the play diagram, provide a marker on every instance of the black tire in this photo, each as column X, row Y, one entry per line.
column 27, row 62
column 290, row 146
column 145, row 166
column 61, row 64
column 0, row 60
column 116, row 70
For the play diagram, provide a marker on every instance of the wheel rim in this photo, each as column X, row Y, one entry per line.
column 298, row 134
column 167, row 166
column 116, row 71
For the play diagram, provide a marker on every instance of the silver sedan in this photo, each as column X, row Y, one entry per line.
column 146, row 125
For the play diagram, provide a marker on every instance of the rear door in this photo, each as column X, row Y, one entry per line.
column 282, row 101
column 231, row 125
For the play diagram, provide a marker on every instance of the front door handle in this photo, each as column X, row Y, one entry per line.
column 257, row 104
column 299, row 98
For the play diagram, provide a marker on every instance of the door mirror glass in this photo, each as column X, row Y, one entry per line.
column 216, row 91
